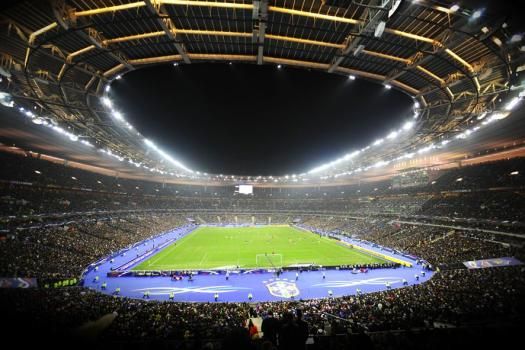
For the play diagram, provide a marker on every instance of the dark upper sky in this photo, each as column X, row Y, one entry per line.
column 256, row 120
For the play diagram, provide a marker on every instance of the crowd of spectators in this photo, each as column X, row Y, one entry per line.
column 443, row 247
column 452, row 298
column 56, row 220
column 65, row 250
column 484, row 191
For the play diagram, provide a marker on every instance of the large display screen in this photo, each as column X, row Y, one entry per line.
column 245, row 189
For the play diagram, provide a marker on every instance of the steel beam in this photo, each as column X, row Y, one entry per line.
column 167, row 25
column 373, row 15
column 260, row 18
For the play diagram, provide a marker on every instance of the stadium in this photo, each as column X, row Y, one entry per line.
column 266, row 174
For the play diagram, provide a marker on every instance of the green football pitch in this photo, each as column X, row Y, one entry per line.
column 251, row 247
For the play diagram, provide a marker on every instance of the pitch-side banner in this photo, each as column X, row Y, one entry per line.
column 481, row 264
column 18, row 283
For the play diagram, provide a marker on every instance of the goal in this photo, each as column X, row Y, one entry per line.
column 269, row 260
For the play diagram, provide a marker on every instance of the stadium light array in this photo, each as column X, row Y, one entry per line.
column 166, row 156
column 408, row 125
column 495, row 116
column 76, row 138
column 391, row 136
column 106, row 101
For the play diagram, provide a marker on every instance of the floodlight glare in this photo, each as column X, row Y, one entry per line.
column 6, row 100
column 516, row 38
column 477, row 14
column 107, row 102
column 378, row 142
column 166, row 156
column 408, row 125
column 117, row 115
column 392, row 135
column 512, row 103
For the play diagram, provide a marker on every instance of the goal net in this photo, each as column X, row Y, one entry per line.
column 269, row 260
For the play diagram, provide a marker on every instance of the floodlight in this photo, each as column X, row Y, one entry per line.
column 378, row 142
column 477, row 14
column 516, row 38
column 107, row 102
column 6, row 99
column 118, row 115
column 408, row 125
column 512, row 103
column 380, row 29
column 392, row 135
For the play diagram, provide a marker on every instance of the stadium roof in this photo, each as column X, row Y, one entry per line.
column 459, row 66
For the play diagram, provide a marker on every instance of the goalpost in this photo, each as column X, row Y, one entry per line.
column 269, row 260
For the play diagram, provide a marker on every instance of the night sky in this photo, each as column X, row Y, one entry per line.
column 256, row 120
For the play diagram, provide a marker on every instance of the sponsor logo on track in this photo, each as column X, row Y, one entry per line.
column 282, row 288
column 370, row 281
column 180, row 290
